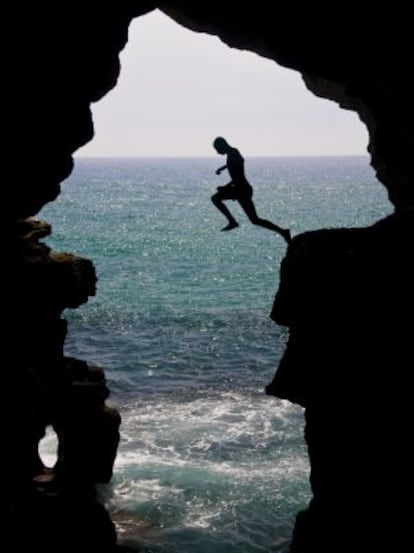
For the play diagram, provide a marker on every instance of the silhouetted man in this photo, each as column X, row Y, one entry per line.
column 238, row 189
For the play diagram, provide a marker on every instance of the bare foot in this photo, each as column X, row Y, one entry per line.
column 286, row 235
column 231, row 226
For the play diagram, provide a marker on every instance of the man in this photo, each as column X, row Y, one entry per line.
column 239, row 189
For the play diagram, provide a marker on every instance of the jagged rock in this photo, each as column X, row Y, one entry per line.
column 48, row 388
column 347, row 296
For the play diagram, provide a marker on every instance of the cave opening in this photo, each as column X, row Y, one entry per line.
column 180, row 321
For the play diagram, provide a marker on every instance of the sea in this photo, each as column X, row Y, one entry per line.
column 207, row 462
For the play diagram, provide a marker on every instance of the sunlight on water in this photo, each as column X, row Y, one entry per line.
column 207, row 462
column 212, row 464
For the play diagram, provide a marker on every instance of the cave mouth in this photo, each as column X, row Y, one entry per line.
column 206, row 430
column 199, row 436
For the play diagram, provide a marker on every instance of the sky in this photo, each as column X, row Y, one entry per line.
column 178, row 90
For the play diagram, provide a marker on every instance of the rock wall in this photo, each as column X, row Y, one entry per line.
column 61, row 58
column 348, row 356
column 347, row 296
column 48, row 506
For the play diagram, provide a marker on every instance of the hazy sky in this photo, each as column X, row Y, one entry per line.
column 178, row 90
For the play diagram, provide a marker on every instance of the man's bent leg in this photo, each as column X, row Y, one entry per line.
column 217, row 201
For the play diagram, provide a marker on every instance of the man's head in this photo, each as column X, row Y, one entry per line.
column 221, row 145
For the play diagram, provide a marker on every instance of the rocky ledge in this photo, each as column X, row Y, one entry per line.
column 347, row 296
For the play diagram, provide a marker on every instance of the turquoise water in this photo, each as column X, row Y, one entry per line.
column 207, row 462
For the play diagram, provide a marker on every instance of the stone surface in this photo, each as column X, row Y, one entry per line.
column 347, row 297
column 46, row 507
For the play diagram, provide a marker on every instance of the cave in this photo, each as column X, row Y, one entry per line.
column 332, row 280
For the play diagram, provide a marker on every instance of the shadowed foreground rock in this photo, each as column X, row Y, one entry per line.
column 347, row 296
column 48, row 509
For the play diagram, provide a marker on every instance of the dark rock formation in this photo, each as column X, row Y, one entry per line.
column 45, row 388
column 63, row 57
column 348, row 351
column 66, row 59
column 347, row 296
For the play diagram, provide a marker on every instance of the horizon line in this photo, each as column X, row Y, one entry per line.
column 211, row 156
